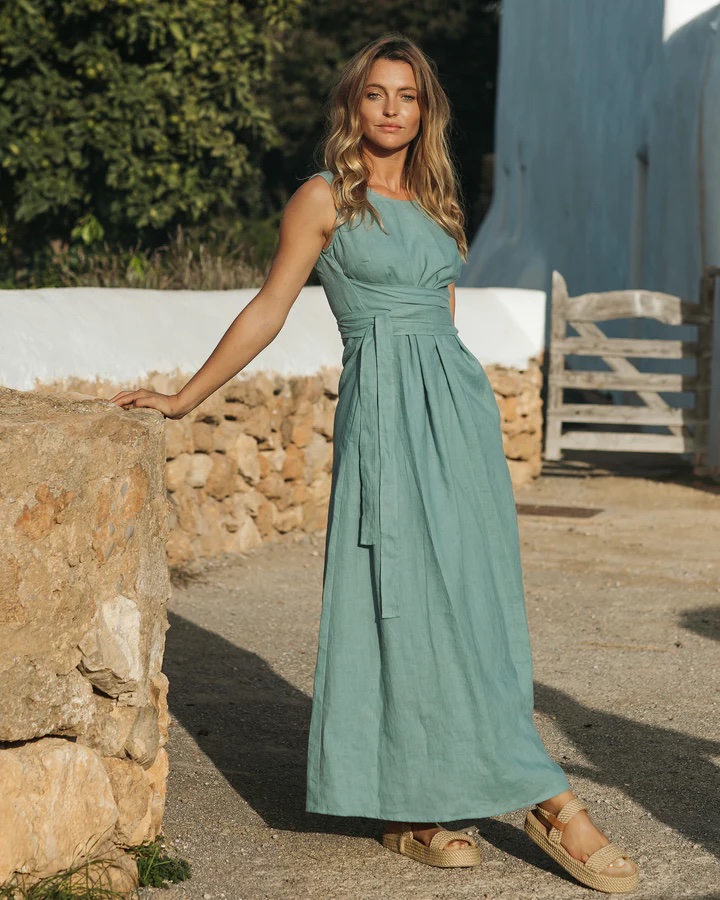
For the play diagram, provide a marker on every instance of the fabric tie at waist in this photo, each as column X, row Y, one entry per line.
column 379, row 521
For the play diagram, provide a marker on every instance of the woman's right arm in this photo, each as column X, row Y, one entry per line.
column 307, row 222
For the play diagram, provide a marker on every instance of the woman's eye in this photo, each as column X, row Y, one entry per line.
column 373, row 94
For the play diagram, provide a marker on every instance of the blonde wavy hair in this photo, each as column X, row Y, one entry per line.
column 430, row 176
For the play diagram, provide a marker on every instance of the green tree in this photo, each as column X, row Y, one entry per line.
column 124, row 118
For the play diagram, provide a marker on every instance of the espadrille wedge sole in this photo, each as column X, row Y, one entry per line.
column 437, row 853
column 592, row 872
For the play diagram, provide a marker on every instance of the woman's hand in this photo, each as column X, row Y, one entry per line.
column 168, row 404
column 308, row 219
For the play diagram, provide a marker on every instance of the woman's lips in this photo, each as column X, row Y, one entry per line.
column 390, row 127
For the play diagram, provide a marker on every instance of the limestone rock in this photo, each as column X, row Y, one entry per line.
column 177, row 470
column 84, row 520
column 56, row 806
column 221, row 480
column 265, row 519
column 35, row 701
column 252, row 500
column 248, row 458
column 111, row 726
column 257, row 423
column 133, row 794
column 203, row 434
column 521, row 446
column 178, row 438
column 324, row 416
column 318, row 457
column 187, row 508
column 289, row 519
column 245, row 537
column 225, row 435
column 200, row 466
column 111, row 658
column 180, row 547
column 158, row 698
column 143, row 740
column 116, row 871
column 521, row 472
column 294, row 466
column 157, row 776
column 254, row 390
column 330, row 378
column 276, row 459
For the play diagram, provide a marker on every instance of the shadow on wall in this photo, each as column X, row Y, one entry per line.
column 254, row 725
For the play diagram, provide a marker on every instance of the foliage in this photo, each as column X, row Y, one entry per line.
column 132, row 116
column 79, row 882
column 123, row 120
column 232, row 259
column 156, row 868
column 83, row 881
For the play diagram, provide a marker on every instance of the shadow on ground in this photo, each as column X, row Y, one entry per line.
column 664, row 467
column 665, row 771
column 704, row 621
column 250, row 722
column 253, row 725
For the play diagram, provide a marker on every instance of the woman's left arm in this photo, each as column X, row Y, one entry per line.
column 451, row 288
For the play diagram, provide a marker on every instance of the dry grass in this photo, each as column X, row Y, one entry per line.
column 178, row 265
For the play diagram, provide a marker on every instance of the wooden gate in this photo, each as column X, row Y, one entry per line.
column 610, row 426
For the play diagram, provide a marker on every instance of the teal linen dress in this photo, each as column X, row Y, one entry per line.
column 423, row 694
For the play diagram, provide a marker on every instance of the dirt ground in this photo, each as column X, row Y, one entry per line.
column 624, row 610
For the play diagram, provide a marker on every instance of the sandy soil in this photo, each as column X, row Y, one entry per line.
column 624, row 610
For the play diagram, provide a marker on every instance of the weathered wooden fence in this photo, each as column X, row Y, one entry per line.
column 612, row 426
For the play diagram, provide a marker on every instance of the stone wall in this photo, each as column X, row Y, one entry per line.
column 83, row 592
column 254, row 460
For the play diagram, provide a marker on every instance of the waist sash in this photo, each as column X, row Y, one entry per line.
column 379, row 520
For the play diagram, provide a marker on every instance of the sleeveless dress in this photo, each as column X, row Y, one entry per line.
column 423, row 694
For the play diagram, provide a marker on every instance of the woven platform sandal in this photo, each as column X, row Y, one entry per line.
column 592, row 872
column 437, row 853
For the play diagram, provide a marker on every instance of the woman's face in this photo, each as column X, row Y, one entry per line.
column 389, row 110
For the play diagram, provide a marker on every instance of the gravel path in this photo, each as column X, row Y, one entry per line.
column 624, row 610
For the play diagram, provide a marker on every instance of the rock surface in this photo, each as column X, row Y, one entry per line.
column 84, row 585
column 56, row 806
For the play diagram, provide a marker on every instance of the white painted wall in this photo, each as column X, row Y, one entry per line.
column 123, row 334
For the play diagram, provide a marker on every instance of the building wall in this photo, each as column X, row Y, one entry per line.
column 606, row 158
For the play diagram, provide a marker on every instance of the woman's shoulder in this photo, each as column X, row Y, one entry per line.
column 323, row 173
column 311, row 188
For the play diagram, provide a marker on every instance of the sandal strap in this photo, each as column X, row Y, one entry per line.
column 601, row 858
column 560, row 820
column 442, row 838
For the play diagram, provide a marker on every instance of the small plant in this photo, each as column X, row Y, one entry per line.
column 155, row 867
column 88, row 880
column 80, row 882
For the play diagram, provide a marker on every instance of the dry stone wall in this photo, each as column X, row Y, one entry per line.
column 84, row 521
column 254, row 460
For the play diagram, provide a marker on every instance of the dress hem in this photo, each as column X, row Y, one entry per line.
column 480, row 811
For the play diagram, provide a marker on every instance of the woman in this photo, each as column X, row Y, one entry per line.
column 423, row 696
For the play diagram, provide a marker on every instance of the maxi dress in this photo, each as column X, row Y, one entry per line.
column 423, row 694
